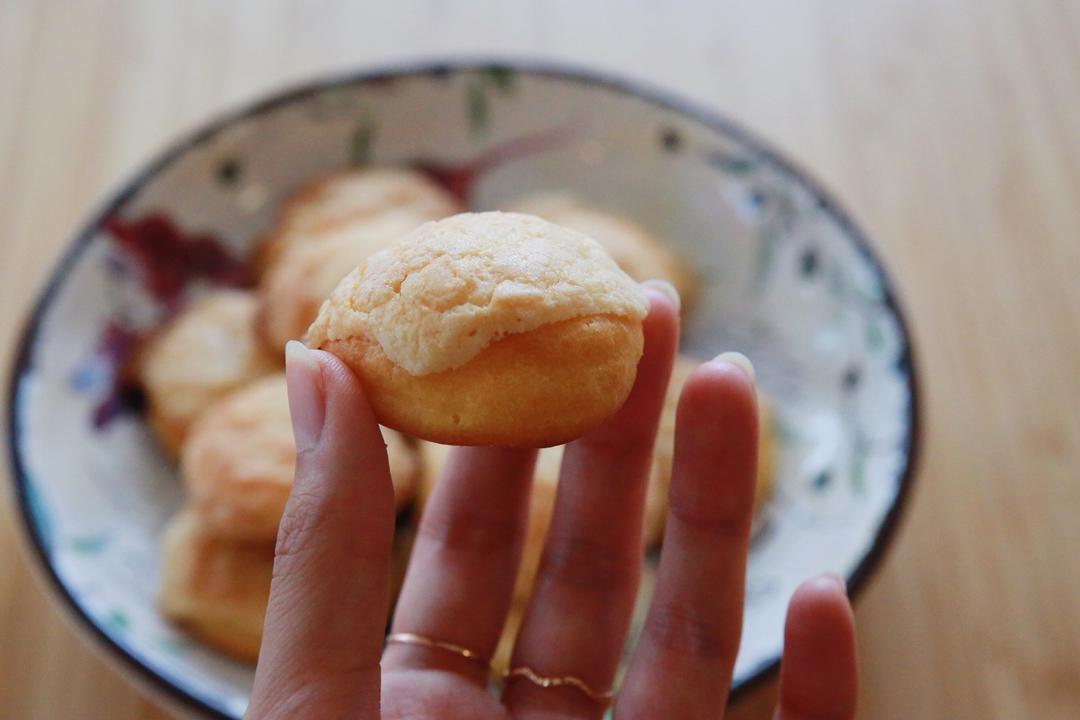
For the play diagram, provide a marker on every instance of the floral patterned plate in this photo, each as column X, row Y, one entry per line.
column 786, row 277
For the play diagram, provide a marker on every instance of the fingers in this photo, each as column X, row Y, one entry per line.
column 819, row 673
column 328, row 600
column 577, row 618
column 691, row 634
column 465, row 559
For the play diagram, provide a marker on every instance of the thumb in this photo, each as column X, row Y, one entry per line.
column 323, row 634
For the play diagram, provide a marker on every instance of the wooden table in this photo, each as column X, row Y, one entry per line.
column 952, row 128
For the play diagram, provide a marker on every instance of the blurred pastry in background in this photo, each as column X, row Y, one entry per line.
column 218, row 588
column 306, row 272
column 332, row 201
column 207, row 351
column 238, row 462
column 215, row 588
column 639, row 253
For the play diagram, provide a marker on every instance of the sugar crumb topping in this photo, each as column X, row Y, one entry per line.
column 450, row 288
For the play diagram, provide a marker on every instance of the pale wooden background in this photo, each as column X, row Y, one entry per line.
column 951, row 127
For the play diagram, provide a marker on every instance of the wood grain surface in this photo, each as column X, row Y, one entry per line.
column 951, row 128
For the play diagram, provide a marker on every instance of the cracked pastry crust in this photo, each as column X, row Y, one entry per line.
column 489, row 329
column 343, row 197
column 335, row 200
column 642, row 255
column 305, row 273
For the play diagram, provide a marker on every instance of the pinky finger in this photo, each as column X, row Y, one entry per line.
column 819, row 673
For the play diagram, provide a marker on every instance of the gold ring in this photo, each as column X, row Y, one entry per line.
column 422, row 641
column 566, row 681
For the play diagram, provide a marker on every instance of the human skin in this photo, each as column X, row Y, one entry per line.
column 323, row 648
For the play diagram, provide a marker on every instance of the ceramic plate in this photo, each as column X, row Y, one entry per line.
column 786, row 277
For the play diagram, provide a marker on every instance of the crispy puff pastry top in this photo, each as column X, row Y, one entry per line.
column 446, row 291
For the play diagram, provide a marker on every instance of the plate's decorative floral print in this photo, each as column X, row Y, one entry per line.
column 155, row 254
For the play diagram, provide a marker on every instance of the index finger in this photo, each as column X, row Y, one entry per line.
column 323, row 633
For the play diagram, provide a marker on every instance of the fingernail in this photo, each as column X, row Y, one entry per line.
column 663, row 286
column 836, row 580
column 307, row 402
column 740, row 361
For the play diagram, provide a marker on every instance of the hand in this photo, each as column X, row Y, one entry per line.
column 324, row 632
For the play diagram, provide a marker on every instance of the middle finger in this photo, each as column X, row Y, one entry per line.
column 577, row 619
column 464, row 562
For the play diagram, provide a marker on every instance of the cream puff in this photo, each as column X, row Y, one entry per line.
column 207, row 351
column 218, row 588
column 305, row 273
column 641, row 254
column 214, row 587
column 335, row 200
column 489, row 329
column 239, row 459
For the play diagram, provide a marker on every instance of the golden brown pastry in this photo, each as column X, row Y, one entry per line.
column 639, row 253
column 332, row 201
column 209, row 350
column 218, row 588
column 305, row 273
column 489, row 329
column 239, row 460
column 214, row 587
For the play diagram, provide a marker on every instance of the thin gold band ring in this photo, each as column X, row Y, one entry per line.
column 566, row 681
column 422, row 641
